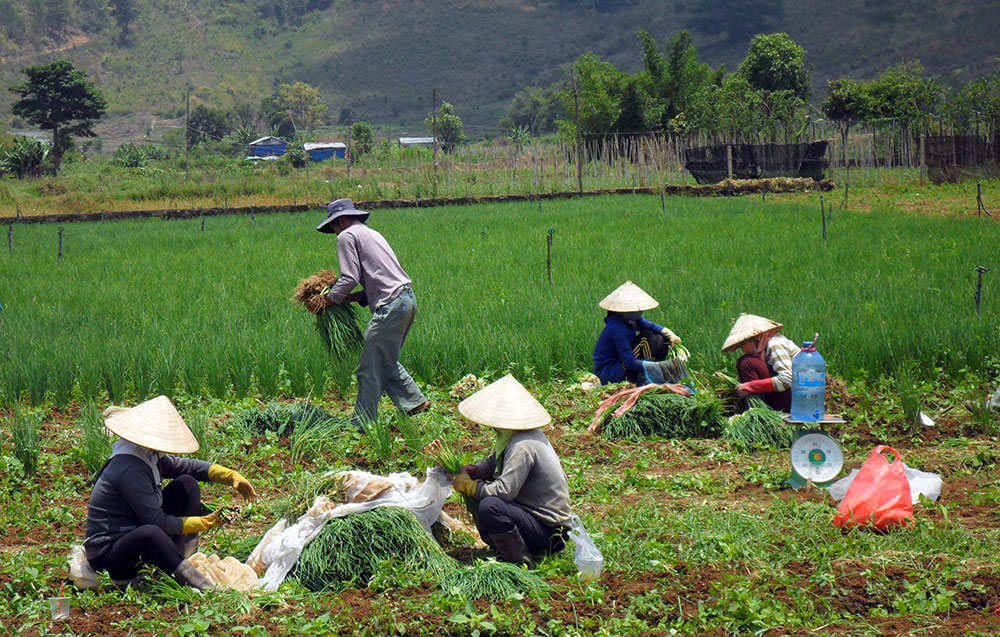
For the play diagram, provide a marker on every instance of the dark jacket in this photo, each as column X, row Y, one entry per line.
column 613, row 355
column 125, row 497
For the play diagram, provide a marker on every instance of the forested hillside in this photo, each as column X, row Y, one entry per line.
column 380, row 60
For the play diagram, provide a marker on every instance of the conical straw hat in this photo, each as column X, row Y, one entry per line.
column 628, row 297
column 154, row 424
column 505, row 404
column 748, row 326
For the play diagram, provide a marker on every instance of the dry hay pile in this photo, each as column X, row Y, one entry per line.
column 773, row 184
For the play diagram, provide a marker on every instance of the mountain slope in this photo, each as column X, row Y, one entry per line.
column 382, row 59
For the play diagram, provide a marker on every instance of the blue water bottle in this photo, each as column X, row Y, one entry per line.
column 808, row 384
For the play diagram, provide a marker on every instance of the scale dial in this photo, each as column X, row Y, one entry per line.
column 816, row 456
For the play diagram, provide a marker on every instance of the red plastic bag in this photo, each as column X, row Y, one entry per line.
column 879, row 495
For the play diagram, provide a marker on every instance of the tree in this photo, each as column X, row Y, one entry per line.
column 362, row 137
column 601, row 90
column 449, row 129
column 776, row 63
column 206, row 124
column 59, row 97
column 299, row 102
column 533, row 108
column 843, row 105
column 124, row 12
column 674, row 82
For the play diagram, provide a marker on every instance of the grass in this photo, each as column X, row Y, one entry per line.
column 224, row 309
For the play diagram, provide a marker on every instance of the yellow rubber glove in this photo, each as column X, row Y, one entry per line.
column 464, row 484
column 199, row 523
column 221, row 475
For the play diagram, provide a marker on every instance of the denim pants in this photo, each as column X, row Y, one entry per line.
column 379, row 370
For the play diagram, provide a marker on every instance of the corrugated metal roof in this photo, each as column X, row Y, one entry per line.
column 268, row 140
column 416, row 140
column 318, row 145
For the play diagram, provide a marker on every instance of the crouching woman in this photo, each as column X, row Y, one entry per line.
column 132, row 520
column 520, row 487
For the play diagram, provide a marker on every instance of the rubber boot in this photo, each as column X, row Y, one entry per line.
column 187, row 574
column 187, row 544
column 511, row 547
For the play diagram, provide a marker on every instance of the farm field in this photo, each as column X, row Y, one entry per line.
column 698, row 538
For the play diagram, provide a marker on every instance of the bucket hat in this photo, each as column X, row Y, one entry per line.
column 628, row 297
column 505, row 404
column 748, row 326
column 340, row 208
column 154, row 424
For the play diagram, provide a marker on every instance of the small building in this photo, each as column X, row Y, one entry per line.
column 268, row 146
column 319, row 151
column 410, row 142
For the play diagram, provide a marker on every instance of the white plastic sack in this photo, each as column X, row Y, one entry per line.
column 994, row 401
column 282, row 545
column 587, row 556
column 80, row 571
column 921, row 483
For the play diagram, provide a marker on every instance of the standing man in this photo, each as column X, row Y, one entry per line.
column 367, row 260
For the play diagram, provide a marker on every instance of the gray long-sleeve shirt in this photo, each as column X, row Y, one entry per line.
column 531, row 476
column 365, row 257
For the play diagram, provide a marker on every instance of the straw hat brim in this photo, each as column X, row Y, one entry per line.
column 628, row 297
column 505, row 404
column 748, row 326
column 154, row 424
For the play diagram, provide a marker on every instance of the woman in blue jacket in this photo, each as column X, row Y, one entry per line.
column 631, row 347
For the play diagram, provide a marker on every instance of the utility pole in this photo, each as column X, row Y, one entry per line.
column 434, row 126
column 187, row 129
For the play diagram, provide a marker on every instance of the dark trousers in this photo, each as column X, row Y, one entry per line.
column 150, row 544
column 752, row 367
column 497, row 516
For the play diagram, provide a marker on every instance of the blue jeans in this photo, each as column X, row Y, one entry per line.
column 379, row 370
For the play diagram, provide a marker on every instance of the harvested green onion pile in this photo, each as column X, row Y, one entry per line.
column 759, row 427
column 668, row 415
column 282, row 418
column 494, row 580
column 350, row 550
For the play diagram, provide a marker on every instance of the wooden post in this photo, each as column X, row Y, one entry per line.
column 59, row 255
column 349, row 152
column 663, row 203
column 10, row 237
column 979, row 288
column 579, row 136
column 729, row 160
column 822, row 215
column 923, row 158
column 548, row 260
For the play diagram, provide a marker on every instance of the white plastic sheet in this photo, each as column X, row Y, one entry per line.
column 282, row 545
column 921, row 483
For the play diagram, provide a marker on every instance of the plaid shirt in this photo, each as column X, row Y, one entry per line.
column 780, row 352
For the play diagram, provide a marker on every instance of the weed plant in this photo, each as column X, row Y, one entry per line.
column 25, row 441
column 97, row 442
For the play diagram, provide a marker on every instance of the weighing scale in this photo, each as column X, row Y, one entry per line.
column 816, row 457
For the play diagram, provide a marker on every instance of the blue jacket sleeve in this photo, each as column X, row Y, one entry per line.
column 643, row 324
column 141, row 498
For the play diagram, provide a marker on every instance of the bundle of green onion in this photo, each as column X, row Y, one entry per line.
column 349, row 551
column 665, row 414
column 759, row 427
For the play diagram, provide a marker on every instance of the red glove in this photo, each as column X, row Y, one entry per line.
column 762, row 386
